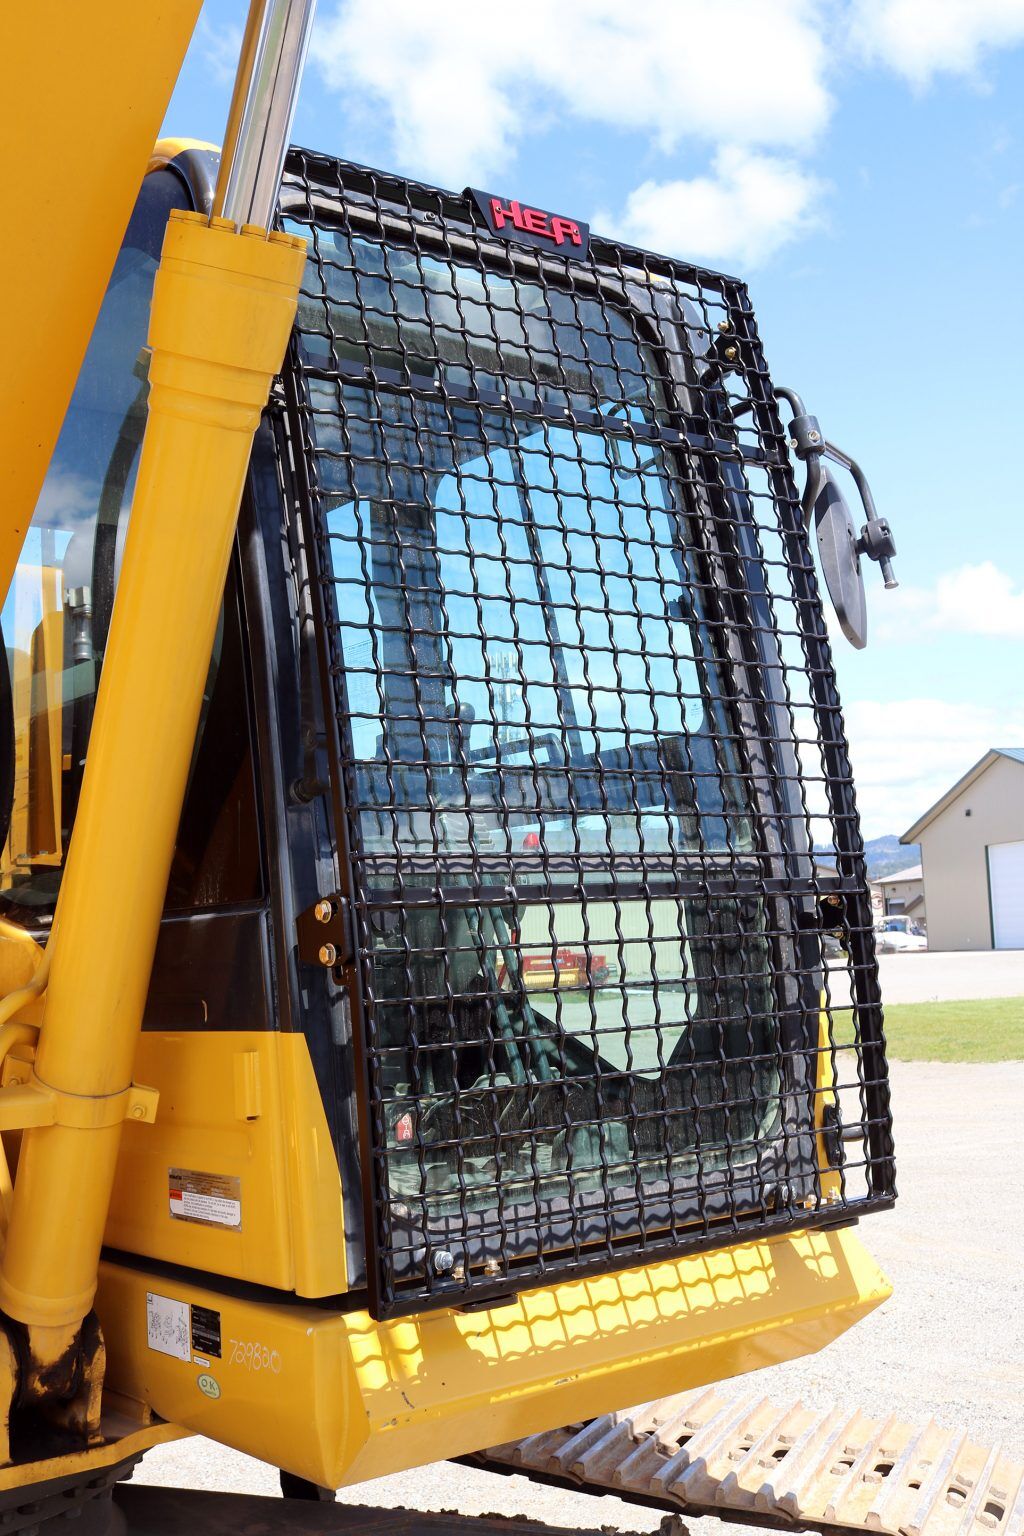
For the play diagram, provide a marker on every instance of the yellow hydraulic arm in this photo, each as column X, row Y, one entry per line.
column 223, row 307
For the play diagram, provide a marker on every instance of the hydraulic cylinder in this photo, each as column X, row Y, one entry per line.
column 223, row 307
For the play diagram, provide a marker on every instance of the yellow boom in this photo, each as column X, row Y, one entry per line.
column 84, row 89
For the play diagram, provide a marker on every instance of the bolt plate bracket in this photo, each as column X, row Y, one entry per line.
column 325, row 926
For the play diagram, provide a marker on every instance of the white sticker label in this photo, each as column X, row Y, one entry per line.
column 187, row 1205
column 213, row 1200
column 167, row 1326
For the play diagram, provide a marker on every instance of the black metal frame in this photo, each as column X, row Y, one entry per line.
column 699, row 425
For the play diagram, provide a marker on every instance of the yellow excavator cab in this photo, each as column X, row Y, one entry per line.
column 495, row 1086
column 459, row 1015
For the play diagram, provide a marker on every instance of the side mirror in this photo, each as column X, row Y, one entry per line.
column 839, row 545
column 836, row 537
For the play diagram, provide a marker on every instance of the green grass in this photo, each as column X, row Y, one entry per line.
column 990, row 1029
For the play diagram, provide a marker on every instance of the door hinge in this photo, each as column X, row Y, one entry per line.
column 324, row 932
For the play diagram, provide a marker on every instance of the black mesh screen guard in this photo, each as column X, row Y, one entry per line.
column 614, row 984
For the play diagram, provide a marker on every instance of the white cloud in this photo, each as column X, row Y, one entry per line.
column 66, row 498
column 977, row 599
column 220, row 47
column 460, row 86
column 907, row 752
column 741, row 87
column 922, row 38
column 750, row 206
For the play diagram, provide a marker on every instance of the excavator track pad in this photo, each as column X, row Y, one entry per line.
column 753, row 1460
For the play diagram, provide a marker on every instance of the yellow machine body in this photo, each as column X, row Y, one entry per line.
column 245, row 1107
column 338, row 1398
column 107, row 1114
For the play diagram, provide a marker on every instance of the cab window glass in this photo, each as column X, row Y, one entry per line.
column 56, row 620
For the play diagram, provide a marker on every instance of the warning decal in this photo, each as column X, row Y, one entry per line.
column 211, row 1199
column 167, row 1327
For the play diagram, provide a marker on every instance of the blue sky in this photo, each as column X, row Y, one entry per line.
column 860, row 163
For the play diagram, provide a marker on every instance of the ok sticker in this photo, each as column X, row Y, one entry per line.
column 208, row 1385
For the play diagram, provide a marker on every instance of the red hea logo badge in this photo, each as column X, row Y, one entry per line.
column 513, row 220
column 551, row 226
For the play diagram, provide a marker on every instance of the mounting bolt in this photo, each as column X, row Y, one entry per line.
column 327, row 954
column 724, row 326
column 731, row 354
column 138, row 1112
column 814, row 437
column 443, row 1262
column 492, row 1268
column 323, row 911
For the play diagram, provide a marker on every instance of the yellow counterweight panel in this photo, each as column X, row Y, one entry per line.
column 339, row 1398
column 166, row 150
column 99, row 76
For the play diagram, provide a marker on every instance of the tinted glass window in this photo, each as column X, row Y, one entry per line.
column 57, row 617
column 422, row 317
column 541, row 737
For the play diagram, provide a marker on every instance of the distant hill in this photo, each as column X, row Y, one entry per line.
column 884, row 855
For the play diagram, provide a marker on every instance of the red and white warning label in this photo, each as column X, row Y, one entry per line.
column 211, row 1199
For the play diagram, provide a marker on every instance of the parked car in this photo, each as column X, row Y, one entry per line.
column 899, row 935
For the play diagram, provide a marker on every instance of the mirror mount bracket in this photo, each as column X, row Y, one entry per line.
column 876, row 541
column 806, row 435
column 822, row 504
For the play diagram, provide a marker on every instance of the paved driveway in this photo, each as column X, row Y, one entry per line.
column 948, row 974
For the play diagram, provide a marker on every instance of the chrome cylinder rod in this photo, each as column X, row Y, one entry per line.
column 262, row 111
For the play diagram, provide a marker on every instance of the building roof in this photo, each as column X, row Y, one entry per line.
column 1016, row 754
column 912, row 872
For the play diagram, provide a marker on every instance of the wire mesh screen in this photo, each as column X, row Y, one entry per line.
column 614, row 973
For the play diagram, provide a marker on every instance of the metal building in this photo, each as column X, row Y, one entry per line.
column 972, row 854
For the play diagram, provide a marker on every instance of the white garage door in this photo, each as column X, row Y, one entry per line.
column 1006, row 883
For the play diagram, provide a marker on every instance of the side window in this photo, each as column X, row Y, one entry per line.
column 217, row 857
column 56, row 620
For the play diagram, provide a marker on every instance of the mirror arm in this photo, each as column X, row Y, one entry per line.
column 809, row 444
column 876, row 540
column 792, row 399
column 812, row 488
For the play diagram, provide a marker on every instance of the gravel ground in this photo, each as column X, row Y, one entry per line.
column 941, row 975
column 950, row 1342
